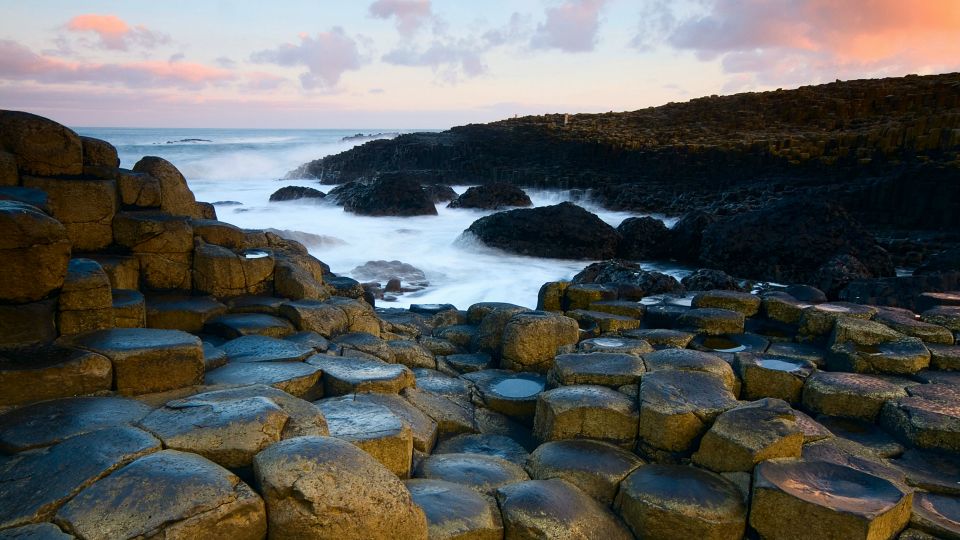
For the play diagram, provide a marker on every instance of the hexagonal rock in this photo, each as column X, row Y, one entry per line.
column 139, row 190
column 509, row 393
column 532, row 339
column 256, row 348
column 178, row 312
column 221, row 272
column 936, row 514
column 323, row 487
column 604, row 369
column 945, row 316
column 147, row 360
column 741, row 302
column 487, row 444
column 30, row 325
column 366, row 343
column 555, row 509
column 772, row 376
column 136, row 501
column 905, row 356
column 626, row 308
column 346, row 375
column 226, row 431
column 677, row 407
column 453, row 416
column 50, row 422
column 690, row 360
column 712, row 321
column 295, row 378
column 33, row 485
column 129, row 308
column 819, row 320
column 35, row 251
column 661, row 338
column 491, row 318
column 681, row 502
column 615, row 345
column 455, row 511
column 945, row 357
column 422, row 427
column 176, row 197
column 603, row 322
column 483, row 473
column 41, row 145
column 86, row 300
column 324, row 318
column 748, row 434
column 597, row 468
column 783, row 308
column 586, row 412
column 465, row 363
column 850, row 395
column 869, row 435
column 85, row 206
column 234, row 325
column 800, row 499
column 51, row 372
column 373, row 428
column 162, row 244
column 928, row 418
column 907, row 324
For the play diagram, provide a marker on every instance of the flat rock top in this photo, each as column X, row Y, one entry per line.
column 257, row 348
column 352, row 419
column 678, row 486
column 579, row 396
column 356, row 369
column 830, row 485
column 128, row 340
column 584, row 455
column 481, row 472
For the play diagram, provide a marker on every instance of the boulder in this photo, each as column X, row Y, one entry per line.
column 834, row 275
column 439, row 193
column 390, row 194
column 597, row 468
column 612, row 370
column 38, row 374
column 644, row 238
column 98, row 153
column 816, row 499
column 162, row 243
column 563, row 231
column 324, row 487
column 680, row 502
column 555, row 509
column 789, row 241
column 42, row 146
column 85, row 206
column 629, row 280
column 493, row 196
column 748, row 434
column 86, row 299
column 35, row 250
column 292, row 193
column 532, row 339
column 706, row 279
column 176, row 197
column 137, row 502
column 147, row 360
column 137, row 190
column 456, row 512
column 586, row 412
column 686, row 235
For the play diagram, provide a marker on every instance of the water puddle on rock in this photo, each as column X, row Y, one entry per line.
column 720, row 344
column 778, row 365
column 608, row 342
column 517, row 388
column 255, row 254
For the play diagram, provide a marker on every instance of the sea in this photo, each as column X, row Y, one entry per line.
column 238, row 169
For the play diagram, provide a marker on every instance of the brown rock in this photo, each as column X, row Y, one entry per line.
column 456, row 512
column 42, row 146
column 35, row 251
column 8, row 170
column 85, row 206
column 746, row 435
column 586, row 412
column 555, row 509
column 27, row 325
column 176, row 197
column 29, row 375
column 99, row 153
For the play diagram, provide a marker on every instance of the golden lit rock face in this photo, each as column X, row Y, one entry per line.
column 328, row 488
column 531, row 340
column 42, row 146
column 35, row 252
column 85, row 206
column 50, row 373
column 586, row 412
column 850, row 395
column 800, row 499
column 168, row 493
column 746, row 435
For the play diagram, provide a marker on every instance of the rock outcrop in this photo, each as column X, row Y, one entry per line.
column 492, row 197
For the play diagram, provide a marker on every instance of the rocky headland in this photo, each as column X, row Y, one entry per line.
column 166, row 374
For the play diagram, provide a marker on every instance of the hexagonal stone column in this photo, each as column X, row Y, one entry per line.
column 483, row 473
column 586, row 412
column 850, row 395
column 455, row 511
column 746, row 435
column 532, row 339
column 597, row 468
column 555, row 509
column 373, row 428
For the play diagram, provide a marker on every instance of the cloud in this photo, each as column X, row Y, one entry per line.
column 408, row 15
column 17, row 62
column 448, row 58
column 793, row 41
column 516, row 30
column 115, row 34
column 571, row 26
column 225, row 62
column 327, row 57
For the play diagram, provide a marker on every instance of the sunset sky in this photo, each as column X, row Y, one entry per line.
column 438, row 63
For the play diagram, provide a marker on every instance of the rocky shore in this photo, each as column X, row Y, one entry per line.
column 165, row 374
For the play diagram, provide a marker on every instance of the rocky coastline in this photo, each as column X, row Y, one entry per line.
column 166, row 374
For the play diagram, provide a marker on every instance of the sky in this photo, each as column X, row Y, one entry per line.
column 438, row 63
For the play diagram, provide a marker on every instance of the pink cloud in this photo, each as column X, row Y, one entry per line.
column 409, row 15
column 114, row 33
column 571, row 26
column 20, row 63
column 792, row 41
column 327, row 57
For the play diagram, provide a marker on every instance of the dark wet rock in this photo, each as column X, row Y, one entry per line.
column 31, row 196
column 507, row 392
column 850, row 395
column 706, row 279
column 586, row 412
column 904, row 356
column 945, row 261
column 846, row 502
column 644, row 238
column 563, row 231
column 346, row 375
column 256, row 348
column 322, row 486
column 484, row 473
column 555, row 509
column 387, row 270
column 789, row 241
column 605, row 369
column 292, row 193
column 946, row 316
column 712, row 321
column 36, row 484
column 455, row 511
column 864, row 433
column 234, row 325
column 906, row 323
column 176, row 312
column 500, row 446
column 365, row 343
column 615, row 345
column 678, row 502
column 137, row 501
column 439, row 193
column 493, row 196
column 834, row 275
column 945, row 357
column 390, row 194
column 35, row 531
column 748, row 434
column 129, row 308
column 597, row 468
column 147, row 360
column 630, row 280
column 295, row 378
column 373, row 428
column 937, row 472
column 38, row 374
column 687, row 235
column 678, row 407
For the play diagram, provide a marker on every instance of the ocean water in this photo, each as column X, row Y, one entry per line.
column 237, row 170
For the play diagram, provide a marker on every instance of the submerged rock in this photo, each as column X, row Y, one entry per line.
column 292, row 193
column 390, row 194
